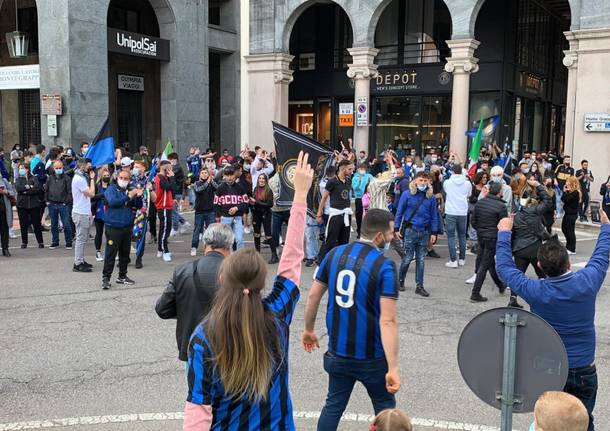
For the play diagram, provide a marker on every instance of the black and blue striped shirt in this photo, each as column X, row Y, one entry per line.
column 357, row 276
column 229, row 413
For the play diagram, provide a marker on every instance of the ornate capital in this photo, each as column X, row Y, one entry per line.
column 363, row 63
column 276, row 64
column 462, row 58
column 571, row 59
column 283, row 76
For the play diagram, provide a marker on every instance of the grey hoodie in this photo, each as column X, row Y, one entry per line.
column 457, row 189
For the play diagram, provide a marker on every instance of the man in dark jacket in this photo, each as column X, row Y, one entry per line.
column 189, row 294
column 231, row 202
column 488, row 211
column 118, row 222
column 179, row 224
column 205, row 213
column 58, row 195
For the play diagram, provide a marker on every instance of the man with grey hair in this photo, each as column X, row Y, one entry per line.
column 189, row 294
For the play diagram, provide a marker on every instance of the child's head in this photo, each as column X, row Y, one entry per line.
column 389, row 198
column 555, row 411
column 392, row 420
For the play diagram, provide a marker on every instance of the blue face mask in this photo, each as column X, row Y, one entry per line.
column 136, row 172
column 59, row 171
column 422, row 188
column 22, row 172
column 386, row 247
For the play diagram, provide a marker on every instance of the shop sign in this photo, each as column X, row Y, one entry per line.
column 362, row 111
column 50, row 104
column 20, row 77
column 597, row 122
column 130, row 82
column 139, row 45
column 346, row 114
column 532, row 84
column 395, row 80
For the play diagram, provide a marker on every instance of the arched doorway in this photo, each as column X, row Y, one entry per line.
column 319, row 41
column 19, row 78
column 522, row 78
column 412, row 94
column 135, row 57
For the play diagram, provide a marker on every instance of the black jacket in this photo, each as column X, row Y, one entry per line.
column 571, row 201
column 488, row 211
column 204, row 200
column 179, row 180
column 528, row 227
column 187, row 300
column 28, row 192
column 58, row 189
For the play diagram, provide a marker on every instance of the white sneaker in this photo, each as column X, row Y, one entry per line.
column 193, row 251
column 159, row 254
column 571, row 252
column 471, row 279
column 12, row 234
column 173, row 232
column 461, row 262
column 247, row 230
column 452, row 264
column 98, row 256
column 167, row 257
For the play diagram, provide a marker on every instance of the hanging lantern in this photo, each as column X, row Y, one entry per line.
column 17, row 42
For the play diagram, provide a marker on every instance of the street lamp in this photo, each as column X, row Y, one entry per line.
column 17, row 41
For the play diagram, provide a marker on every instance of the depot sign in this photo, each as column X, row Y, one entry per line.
column 139, row 45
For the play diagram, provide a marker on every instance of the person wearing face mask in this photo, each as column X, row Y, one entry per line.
column 58, row 195
column 16, row 157
column 28, row 204
column 360, row 180
column 231, row 202
column 562, row 173
column 98, row 208
column 417, row 224
column 496, row 175
column 205, row 214
column 164, row 186
column 363, row 335
column 179, row 224
column 139, row 180
column 548, row 217
column 118, row 221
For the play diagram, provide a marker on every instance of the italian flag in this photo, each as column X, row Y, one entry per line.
column 475, row 150
column 169, row 148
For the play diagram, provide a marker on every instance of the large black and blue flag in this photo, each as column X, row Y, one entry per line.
column 101, row 150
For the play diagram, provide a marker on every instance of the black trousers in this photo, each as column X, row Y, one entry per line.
column 165, row 227
column 118, row 240
column 27, row 217
column 4, row 238
column 152, row 220
column 261, row 219
column 359, row 212
column 584, row 205
column 99, row 232
column 487, row 262
column 337, row 234
column 568, row 227
column 526, row 257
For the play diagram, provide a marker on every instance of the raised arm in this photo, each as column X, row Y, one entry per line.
column 597, row 267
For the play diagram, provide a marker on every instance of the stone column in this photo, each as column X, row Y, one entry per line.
column 461, row 63
column 269, row 76
column 362, row 70
column 571, row 62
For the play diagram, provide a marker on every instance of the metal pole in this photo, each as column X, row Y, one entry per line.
column 508, row 370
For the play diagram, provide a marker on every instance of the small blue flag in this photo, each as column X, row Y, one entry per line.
column 490, row 125
column 101, row 150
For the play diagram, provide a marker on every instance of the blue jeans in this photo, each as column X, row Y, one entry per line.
column 202, row 221
column 454, row 224
column 177, row 218
column 343, row 373
column 416, row 245
column 277, row 219
column 237, row 226
column 57, row 211
column 582, row 383
column 311, row 238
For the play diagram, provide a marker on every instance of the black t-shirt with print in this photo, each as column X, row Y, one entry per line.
column 339, row 193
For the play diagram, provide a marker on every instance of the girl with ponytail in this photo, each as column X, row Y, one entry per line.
column 238, row 356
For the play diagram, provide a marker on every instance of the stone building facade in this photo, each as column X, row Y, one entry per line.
column 191, row 97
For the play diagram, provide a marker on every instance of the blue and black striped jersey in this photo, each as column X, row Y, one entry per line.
column 229, row 413
column 357, row 276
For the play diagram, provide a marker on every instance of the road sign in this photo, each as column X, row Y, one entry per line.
column 509, row 357
column 346, row 114
column 597, row 122
column 362, row 111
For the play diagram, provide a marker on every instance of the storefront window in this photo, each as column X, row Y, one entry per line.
column 324, row 122
column 398, row 123
column 484, row 105
column 436, row 123
column 301, row 118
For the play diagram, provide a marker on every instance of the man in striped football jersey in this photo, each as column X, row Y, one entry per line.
column 360, row 319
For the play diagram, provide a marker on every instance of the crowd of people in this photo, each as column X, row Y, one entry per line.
column 502, row 209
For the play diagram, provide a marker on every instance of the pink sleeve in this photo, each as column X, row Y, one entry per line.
column 197, row 417
column 292, row 255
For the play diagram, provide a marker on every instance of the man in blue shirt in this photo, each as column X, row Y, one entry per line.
column 416, row 223
column 565, row 299
column 360, row 319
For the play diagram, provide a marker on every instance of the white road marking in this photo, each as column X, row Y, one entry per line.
column 158, row 417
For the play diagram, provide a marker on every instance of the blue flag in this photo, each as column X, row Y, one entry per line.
column 101, row 150
column 490, row 125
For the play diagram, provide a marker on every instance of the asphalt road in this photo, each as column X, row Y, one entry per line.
column 74, row 357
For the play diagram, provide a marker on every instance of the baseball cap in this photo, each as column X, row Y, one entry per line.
column 126, row 161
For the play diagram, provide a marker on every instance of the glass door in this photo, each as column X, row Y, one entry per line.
column 130, row 119
column 398, row 124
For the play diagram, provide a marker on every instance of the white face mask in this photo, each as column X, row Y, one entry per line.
column 122, row 183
